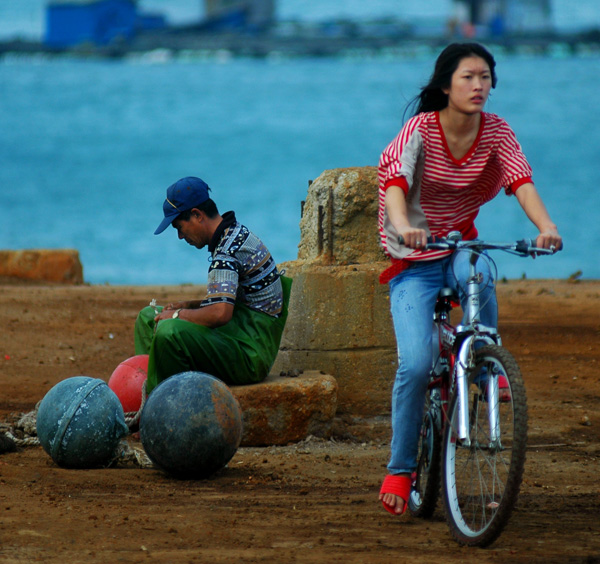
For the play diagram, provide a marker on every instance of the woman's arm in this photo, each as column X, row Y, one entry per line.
column 534, row 207
column 395, row 203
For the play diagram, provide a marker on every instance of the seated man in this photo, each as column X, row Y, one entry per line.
column 235, row 331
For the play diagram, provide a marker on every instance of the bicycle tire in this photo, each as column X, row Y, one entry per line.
column 481, row 482
column 426, row 480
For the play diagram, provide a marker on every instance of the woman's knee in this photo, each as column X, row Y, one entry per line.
column 414, row 369
column 415, row 365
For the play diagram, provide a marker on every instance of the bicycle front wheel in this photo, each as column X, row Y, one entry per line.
column 481, row 476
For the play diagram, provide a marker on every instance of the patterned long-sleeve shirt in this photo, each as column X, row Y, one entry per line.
column 242, row 269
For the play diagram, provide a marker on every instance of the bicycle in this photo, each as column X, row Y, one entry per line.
column 473, row 438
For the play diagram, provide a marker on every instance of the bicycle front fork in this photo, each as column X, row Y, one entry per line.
column 465, row 360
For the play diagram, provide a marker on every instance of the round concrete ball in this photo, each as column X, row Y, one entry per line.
column 191, row 425
column 80, row 422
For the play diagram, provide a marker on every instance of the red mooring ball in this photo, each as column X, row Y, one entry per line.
column 127, row 381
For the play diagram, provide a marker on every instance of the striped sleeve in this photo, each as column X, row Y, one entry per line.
column 397, row 166
column 393, row 163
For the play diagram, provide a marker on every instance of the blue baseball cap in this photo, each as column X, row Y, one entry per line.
column 184, row 195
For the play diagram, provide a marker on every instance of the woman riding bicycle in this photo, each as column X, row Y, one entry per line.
column 447, row 161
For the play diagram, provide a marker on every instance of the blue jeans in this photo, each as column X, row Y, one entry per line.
column 413, row 294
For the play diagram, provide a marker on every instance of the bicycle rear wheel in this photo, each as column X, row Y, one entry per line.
column 426, row 481
column 481, row 480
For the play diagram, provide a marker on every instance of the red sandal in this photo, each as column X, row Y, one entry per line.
column 399, row 486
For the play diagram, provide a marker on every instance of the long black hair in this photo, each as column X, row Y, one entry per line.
column 432, row 97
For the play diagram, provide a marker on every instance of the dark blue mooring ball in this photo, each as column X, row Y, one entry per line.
column 191, row 425
column 80, row 422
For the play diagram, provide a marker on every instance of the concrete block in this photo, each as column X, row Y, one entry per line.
column 284, row 410
column 364, row 377
column 339, row 218
column 337, row 308
column 340, row 322
column 46, row 265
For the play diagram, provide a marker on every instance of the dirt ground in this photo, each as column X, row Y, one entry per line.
column 310, row 502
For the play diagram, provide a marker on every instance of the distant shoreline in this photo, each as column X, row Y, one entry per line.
column 189, row 41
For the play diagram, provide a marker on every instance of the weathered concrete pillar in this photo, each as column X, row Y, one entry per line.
column 339, row 319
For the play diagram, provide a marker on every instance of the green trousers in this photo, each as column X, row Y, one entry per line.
column 240, row 352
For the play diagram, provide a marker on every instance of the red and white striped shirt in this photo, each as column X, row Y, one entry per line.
column 444, row 194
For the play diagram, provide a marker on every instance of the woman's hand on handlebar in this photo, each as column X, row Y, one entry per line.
column 549, row 239
column 412, row 238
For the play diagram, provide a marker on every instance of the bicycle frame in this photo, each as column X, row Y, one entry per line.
column 460, row 342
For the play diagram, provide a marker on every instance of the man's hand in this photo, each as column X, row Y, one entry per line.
column 165, row 314
column 214, row 315
column 177, row 305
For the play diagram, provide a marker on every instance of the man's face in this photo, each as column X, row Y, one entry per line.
column 193, row 230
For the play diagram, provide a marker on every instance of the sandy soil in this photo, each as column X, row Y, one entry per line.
column 311, row 502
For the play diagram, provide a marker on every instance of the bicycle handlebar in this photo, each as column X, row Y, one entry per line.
column 523, row 247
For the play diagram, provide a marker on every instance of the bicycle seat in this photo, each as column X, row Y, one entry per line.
column 448, row 293
column 447, row 299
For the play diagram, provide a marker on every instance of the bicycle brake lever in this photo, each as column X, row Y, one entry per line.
column 524, row 246
column 441, row 243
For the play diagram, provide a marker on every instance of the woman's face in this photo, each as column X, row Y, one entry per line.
column 470, row 86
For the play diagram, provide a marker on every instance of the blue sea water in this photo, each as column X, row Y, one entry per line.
column 89, row 147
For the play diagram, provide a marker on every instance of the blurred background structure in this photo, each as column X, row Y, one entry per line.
column 99, row 22
column 500, row 17
column 255, row 15
column 256, row 28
